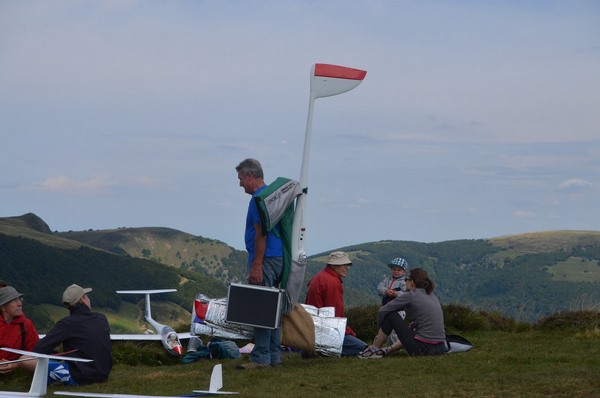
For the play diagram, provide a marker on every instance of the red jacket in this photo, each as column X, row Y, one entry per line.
column 325, row 290
column 11, row 336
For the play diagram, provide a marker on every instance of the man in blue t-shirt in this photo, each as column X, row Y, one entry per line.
column 265, row 263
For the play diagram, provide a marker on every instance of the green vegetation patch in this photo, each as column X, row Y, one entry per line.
column 575, row 269
column 126, row 320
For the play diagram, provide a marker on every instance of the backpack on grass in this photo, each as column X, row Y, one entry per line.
column 456, row 343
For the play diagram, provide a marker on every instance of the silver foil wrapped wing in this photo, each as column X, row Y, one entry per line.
column 329, row 330
column 208, row 318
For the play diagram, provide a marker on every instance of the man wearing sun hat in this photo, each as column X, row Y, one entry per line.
column 84, row 331
column 325, row 290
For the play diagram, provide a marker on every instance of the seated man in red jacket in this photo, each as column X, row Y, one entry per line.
column 16, row 330
column 325, row 290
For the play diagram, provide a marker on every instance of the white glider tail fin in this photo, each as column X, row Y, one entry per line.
column 39, row 383
column 216, row 379
column 216, row 383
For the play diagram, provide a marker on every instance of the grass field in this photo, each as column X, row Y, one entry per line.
column 502, row 364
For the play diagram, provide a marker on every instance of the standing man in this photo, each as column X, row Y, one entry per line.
column 325, row 290
column 265, row 264
column 84, row 331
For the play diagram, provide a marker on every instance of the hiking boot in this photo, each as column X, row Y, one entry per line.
column 252, row 365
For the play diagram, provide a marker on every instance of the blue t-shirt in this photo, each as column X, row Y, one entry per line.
column 274, row 245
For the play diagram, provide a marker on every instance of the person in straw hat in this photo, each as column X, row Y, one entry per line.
column 325, row 290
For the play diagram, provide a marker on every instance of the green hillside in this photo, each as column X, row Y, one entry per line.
column 524, row 276
column 170, row 247
column 42, row 268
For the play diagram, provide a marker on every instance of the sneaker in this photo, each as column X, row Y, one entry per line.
column 372, row 353
column 252, row 365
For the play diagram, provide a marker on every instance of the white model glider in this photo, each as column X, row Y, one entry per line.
column 39, row 383
column 325, row 81
column 168, row 337
column 216, row 383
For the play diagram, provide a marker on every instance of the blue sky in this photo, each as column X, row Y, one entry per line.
column 476, row 118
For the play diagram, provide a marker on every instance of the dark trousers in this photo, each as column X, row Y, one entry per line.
column 394, row 321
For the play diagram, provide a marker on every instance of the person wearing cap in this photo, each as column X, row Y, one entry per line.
column 325, row 289
column 85, row 332
column 425, row 335
column 16, row 330
column 391, row 287
column 395, row 284
column 265, row 264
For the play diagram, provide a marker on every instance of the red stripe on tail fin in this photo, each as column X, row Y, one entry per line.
column 339, row 72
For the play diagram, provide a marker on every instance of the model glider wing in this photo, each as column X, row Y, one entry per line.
column 100, row 395
column 39, row 383
column 36, row 355
column 216, row 383
column 147, row 337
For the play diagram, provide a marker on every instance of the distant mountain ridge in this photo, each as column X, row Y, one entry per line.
column 170, row 247
column 524, row 276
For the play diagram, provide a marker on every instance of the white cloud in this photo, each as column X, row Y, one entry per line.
column 56, row 184
column 525, row 214
column 459, row 119
column 64, row 184
column 575, row 184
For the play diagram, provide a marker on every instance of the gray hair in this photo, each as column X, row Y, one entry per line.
column 250, row 166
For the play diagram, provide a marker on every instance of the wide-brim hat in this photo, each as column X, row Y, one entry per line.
column 8, row 293
column 73, row 294
column 338, row 258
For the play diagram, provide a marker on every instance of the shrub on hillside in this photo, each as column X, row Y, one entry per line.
column 363, row 320
column 460, row 318
column 572, row 321
column 498, row 321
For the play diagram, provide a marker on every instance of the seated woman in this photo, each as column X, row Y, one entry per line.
column 426, row 334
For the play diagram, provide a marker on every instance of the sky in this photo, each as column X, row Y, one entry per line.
column 476, row 119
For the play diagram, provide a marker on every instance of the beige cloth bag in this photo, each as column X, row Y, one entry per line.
column 298, row 330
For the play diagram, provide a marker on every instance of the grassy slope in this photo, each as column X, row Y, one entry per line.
column 170, row 246
column 503, row 365
column 15, row 226
column 548, row 241
column 573, row 270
